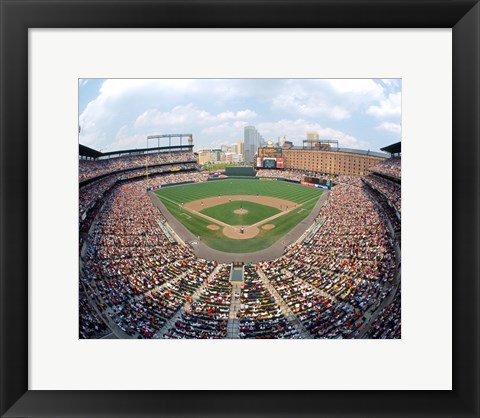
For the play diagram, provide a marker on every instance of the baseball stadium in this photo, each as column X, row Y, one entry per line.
column 303, row 244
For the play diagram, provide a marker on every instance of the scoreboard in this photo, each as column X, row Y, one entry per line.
column 269, row 163
column 267, row 152
column 312, row 180
column 269, row 157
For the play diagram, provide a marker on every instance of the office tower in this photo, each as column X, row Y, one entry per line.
column 252, row 141
column 204, row 156
column 241, row 148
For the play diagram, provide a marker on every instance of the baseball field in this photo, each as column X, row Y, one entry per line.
column 239, row 216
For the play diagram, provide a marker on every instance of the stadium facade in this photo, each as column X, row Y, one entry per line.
column 339, row 162
column 319, row 157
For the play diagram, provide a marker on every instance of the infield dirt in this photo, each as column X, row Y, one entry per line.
column 198, row 205
column 237, row 231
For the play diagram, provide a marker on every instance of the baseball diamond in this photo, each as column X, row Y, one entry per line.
column 239, row 209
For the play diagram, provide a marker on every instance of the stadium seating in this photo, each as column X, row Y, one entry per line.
column 391, row 167
column 388, row 188
column 388, row 323
column 260, row 316
column 323, row 287
column 89, row 169
column 207, row 317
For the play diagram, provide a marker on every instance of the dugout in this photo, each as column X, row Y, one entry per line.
column 240, row 171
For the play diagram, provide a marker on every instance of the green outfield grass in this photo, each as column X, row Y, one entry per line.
column 225, row 213
column 172, row 197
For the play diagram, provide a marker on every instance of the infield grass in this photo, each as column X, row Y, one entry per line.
column 172, row 197
column 255, row 212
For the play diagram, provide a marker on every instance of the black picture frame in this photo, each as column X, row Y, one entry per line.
column 17, row 16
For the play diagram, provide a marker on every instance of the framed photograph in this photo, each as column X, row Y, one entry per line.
column 206, row 236
column 236, row 223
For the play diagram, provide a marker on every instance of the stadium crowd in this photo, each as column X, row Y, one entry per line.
column 388, row 323
column 207, row 317
column 91, row 326
column 323, row 315
column 180, row 177
column 89, row 168
column 92, row 192
column 290, row 174
column 140, row 276
column 260, row 316
column 286, row 174
column 351, row 258
column 391, row 167
column 391, row 190
column 159, row 170
column 385, row 209
column 152, row 287
column 353, row 239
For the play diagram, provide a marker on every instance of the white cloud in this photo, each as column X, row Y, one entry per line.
column 306, row 105
column 334, row 99
column 390, row 127
column 389, row 81
column 126, row 111
column 226, row 128
column 154, row 118
column 126, row 141
column 364, row 87
column 389, row 108
column 120, row 87
column 296, row 130
column 241, row 114
column 189, row 114
column 344, row 140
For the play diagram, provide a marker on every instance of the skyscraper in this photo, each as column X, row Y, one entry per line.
column 252, row 140
column 241, row 147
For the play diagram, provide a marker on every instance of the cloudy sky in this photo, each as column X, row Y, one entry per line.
column 119, row 114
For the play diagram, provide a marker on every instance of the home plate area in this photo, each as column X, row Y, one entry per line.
column 241, row 216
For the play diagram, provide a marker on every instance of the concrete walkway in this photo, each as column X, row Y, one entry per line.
column 187, row 305
column 233, row 327
column 287, row 312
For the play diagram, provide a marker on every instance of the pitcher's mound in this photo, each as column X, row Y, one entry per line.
column 268, row 226
column 240, row 211
column 235, row 232
column 213, row 227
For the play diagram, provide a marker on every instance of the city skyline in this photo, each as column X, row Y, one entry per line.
column 119, row 113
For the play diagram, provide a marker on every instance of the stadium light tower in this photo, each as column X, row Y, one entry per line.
column 170, row 136
column 146, row 168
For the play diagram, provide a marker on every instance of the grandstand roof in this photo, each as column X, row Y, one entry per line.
column 393, row 149
column 351, row 150
column 90, row 152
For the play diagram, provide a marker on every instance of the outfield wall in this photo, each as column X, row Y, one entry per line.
column 173, row 184
column 240, row 171
column 255, row 178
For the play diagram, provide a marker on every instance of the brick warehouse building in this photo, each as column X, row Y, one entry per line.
column 339, row 161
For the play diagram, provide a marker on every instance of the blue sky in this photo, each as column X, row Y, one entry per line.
column 120, row 113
